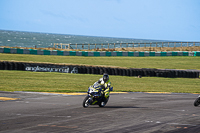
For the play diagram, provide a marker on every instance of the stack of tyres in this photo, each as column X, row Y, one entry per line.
column 22, row 66
column 89, row 71
column 167, row 73
column 79, row 69
column 197, row 75
column 15, row 66
column 94, row 70
column 152, row 73
column 10, row 66
column 115, row 71
column 84, row 69
column 124, row 72
column 130, row 72
column 105, row 70
column 140, row 72
column 97, row 70
column 191, row 74
column 101, row 71
column 2, row 66
column 108, row 70
column 120, row 72
column 184, row 74
column 133, row 72
column 127, row 72
column 112, row 71
column 172, row 74
column 5, row 65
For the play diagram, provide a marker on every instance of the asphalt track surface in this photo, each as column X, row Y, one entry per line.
column 124, row 113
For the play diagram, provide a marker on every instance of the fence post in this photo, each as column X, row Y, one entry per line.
column 82, row 46
column 120, row 45
column 145, row 45
column 168, row 44
column 156, row 44
column 69, row 46
column 162, row 44
column 88, row 46
column 181, row 44
column 194, row 44
column 114, row 45
column 174, row 44
column 133, row 45
column 108, row 45
column 95, row 45
column 102, row 46
column 187, row 44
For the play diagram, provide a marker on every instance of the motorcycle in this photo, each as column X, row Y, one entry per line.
column 95, row 96
column 197, row 101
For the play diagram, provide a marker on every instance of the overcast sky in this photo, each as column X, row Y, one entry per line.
column 174, row 20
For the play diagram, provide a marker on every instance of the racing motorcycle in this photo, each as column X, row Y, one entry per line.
column 197, row 101
column 95, row 96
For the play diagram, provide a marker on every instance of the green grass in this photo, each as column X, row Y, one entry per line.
column 65, row 82
column 62, row 82
column 178, row 62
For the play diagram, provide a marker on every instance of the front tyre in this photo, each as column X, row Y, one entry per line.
column 86, row 102
column 196, row 102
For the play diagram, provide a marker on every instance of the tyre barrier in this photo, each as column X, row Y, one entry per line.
column 147, row 72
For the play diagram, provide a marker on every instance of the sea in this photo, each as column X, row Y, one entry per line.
column 47, row 40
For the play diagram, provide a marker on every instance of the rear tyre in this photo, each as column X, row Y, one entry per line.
column 196, row 102
column 103, row 102
column 86, row 102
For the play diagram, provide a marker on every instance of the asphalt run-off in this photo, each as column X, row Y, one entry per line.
column 125, row 112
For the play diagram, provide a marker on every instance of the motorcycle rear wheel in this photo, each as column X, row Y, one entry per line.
column 196, row 102
column 105, row 102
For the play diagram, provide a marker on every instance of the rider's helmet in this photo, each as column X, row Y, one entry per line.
column 105, row 77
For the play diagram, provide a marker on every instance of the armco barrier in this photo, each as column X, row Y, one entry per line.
column 43, row 67
column 98, row 53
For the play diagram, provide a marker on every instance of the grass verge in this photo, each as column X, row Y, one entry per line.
column 178, row 62
column 65, row 82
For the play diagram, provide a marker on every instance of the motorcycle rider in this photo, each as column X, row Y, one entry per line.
column 105, row 85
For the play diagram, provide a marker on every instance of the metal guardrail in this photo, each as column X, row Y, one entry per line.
column 124, row 45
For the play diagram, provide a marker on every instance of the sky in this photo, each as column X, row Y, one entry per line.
column 173, row 20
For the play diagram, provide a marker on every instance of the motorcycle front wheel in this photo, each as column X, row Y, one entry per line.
column 86, row 102
column 196, row 102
